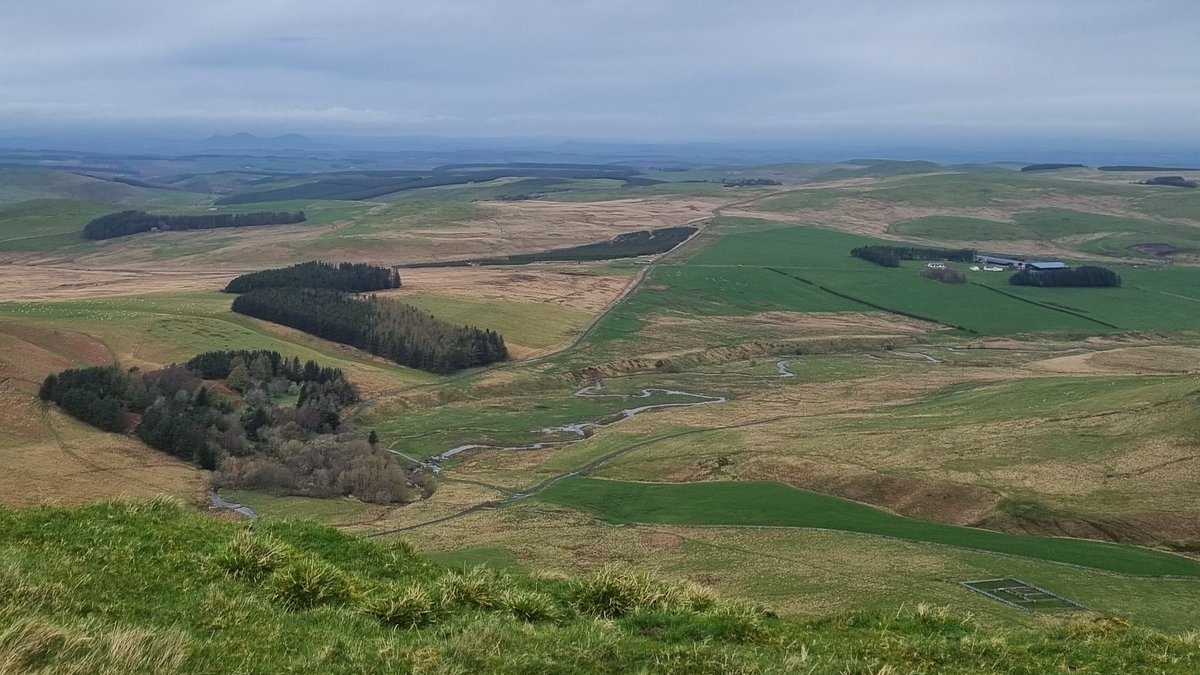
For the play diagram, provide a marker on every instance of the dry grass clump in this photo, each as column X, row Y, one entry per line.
column 478, row 587
column 31, row 644
column 408, row 606
column 529, row 605
column 308, row 582
column 613, row 593
column 251, row 557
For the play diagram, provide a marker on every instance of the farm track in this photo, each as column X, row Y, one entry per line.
column 584, row 469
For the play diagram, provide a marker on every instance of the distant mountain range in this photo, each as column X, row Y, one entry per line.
column 248, row 141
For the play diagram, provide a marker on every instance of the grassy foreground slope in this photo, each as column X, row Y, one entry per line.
column 148, row 587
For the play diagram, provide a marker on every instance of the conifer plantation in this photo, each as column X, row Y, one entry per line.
column 1087, row 275
column 349, row 277
column 890, row 256
column 383, row 327
column 124, row 223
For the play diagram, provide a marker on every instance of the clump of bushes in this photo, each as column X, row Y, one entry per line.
column 326, row 466
column 945, row 275
column 248, row 440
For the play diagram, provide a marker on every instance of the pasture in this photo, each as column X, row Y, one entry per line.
column 758, row 504
column 804, row 269
column 1085, row 233
column 527, row 327
column 156, row 330
column 799, row 572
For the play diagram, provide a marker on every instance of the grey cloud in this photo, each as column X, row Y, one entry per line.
column 618, row 69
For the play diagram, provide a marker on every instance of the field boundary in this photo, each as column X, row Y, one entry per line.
column 1045, row 306
column 872, row 305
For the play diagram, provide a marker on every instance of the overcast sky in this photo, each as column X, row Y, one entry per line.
column 610, row 69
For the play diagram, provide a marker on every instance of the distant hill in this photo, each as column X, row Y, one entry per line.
column 881, row 168
column 1050, row 167
column 248, row 141
column 1135, row 167
column 21, row 184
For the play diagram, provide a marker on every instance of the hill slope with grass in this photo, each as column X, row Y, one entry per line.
column 150, row 587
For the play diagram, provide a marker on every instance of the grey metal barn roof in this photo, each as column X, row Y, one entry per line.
column 996, row 259
column 1047, row 265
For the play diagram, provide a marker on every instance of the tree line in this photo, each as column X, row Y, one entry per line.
column 890, row 256
column 125, row 223
column 350, row 277
column 305, row 448
column 1087, row 275
column 750, row 182
column 383, row 327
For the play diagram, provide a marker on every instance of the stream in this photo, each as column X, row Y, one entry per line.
column 582, row 430
column 241, row 509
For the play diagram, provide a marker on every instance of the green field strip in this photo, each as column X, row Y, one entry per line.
column 1045, row 306
column 763, row 504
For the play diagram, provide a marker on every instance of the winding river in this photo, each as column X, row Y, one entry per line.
column 582, row 430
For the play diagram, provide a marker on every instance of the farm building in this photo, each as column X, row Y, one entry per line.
column 994, row 260
column 1046, row 265
column 1038, row 266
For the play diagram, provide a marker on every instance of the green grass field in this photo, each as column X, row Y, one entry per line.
column 988, row 188
column 775, row 505
column 46, row 224
column 1088, row 233
column 767, row 269
column 533, row 325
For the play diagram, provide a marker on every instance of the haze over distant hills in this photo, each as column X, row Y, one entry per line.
column 248, row 141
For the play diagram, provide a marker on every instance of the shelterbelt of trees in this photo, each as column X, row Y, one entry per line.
column 890, row 256
column 243, row 434
column 350, row 277
column 1076, row 276
column 125, row 223
column 380, row 326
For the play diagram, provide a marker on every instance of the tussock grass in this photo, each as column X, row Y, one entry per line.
column 529, row 605
column 614, row 592
column 405, row 606
column 478, row 587
column 251, row 557
column 308, row 582
column 148, row 587
column 30, row 644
